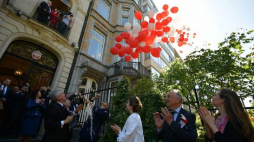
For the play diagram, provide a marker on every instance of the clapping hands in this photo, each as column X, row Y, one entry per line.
column 115, row 128
column 206, row 116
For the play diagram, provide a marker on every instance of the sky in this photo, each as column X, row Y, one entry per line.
column 211, row 20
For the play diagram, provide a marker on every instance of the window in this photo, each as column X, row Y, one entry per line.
column 104, row 9
column 137, row 2
column 135, row 64
column 169, row 49
column 125, row 16
column 88, row 83
column 154, row 71
column 136, row 21
column 125, row 20
column 146, row 8
column 96, row 45
column 159, row 61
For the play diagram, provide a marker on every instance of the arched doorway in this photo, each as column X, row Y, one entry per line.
column 25, row 62
column 88, row 84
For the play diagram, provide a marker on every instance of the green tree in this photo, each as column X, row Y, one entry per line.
column 118, row 113
column 152, row 101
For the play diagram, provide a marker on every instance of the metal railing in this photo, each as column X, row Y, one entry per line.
column 131, row 68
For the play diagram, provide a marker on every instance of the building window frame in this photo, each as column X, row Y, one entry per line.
column 106, row 4
column 96, row 35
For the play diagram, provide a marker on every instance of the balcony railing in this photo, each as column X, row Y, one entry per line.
column 47, row 23
column 131, row 68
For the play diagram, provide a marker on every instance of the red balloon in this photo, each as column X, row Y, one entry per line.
column 144, row 24
column 127, row 58
column 194, row 34
column 158, row 26
column 181, row 39
column 159, row 49
column 151, row 20
column 164, row 39
column 164, row 14
column 126, row 35
column 134, row 55
column 153, row 33
column 138, row 49
column 180, row 44
column 141, row 37
column 165, row 22
column 186, row 39
column 165, row 7
column 114, row 50
column 121, row 52
column 169, row 19
column 187, row 33
column 147, row 49
column 179, row 31
column 138, row 15
column 128, row 50
column 159, row 16
column 149, row 39
column 172, row 39
column 181, row 35
column 159, row 33
column 118, row 38
column 155, row 52
column 181, row 51
column 146, row 32
column 166, row 29
column 134, row 43
column 174, row 9
column 118, row 45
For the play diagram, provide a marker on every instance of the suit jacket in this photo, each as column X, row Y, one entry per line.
column 44, row 5
column 54, row 114
column 34, row 109
column 99, row 117
column 132, row 130
column 230, row 134
column 174, row 133
column 20, row 101
column 45, row 95
column 8, row 103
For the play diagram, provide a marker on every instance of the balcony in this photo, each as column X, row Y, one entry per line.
column 134, row 69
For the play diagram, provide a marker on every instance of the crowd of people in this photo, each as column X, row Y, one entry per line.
column 22, row 113
column 52, row 17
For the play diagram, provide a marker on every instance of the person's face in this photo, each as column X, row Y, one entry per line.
column 128, row 107
column 67, row 103
column 16, row 89
column 104, row 105
column 216, row 100
column 61, row 97
column 171, row 99
column 38, row 94
column 7, row 82
column 55, row 9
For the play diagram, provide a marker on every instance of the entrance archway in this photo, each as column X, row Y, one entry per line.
column 25, row 62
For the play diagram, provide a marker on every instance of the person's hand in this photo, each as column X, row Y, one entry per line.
column 3, row 99
column 40, row 102
column 91, row 105
column 157, row 120
column 206, row 116
column 105, row 105
column 68, row 119
column 115, row 128
column 27, row 84
column 79, row 108
column 166, row 114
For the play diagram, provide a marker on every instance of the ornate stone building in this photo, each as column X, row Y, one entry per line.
column 33, row 52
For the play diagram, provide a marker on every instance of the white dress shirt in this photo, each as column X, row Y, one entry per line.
column 62, row 122
column 4, row 88
column 132, row 130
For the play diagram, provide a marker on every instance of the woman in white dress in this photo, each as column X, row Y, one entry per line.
column 132, row 130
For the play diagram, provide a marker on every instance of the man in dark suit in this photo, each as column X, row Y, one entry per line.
column 178, row 124
column 56, row 119
column 45, row 94
column 44, row 11
column 5, row 113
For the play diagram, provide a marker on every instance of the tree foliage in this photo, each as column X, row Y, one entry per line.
column 118, row 114
column 211, row 70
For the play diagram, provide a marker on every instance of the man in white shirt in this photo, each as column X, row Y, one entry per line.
column 178, row 124
column 56, row 120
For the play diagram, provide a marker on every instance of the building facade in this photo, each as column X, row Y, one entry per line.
column 95, row 65
column 34, row 52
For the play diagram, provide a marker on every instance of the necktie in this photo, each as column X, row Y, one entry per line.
column 173, row 112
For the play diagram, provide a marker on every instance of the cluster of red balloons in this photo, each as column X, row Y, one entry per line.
column 141, row 38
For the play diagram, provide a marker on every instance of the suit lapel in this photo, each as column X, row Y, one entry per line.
column 62, row 109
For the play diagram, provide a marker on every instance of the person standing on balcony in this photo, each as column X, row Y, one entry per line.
column 54, row 17
column 178, row 124
column 64, row 25
column 44, row 12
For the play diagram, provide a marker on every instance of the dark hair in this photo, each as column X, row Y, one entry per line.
column 34, row 94
column 135, row 103
column 237, row 114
